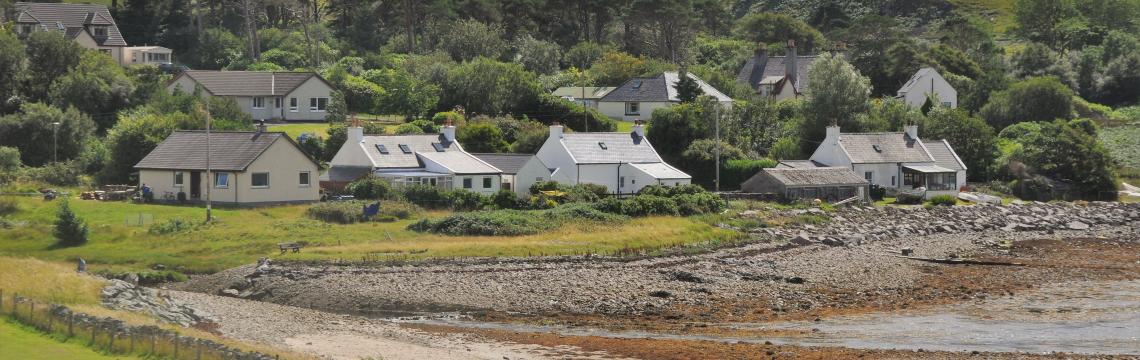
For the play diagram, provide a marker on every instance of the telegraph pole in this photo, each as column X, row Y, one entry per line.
column 209, row 180
column 717, row 122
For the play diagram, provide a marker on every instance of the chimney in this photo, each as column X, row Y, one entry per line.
column 832, row 135
column 912, row 131
column 448, row 131
column 261, row 126
column 790, row 62
column 556, row 131
column 639, row 128
column 355, row 134
column 761, row 50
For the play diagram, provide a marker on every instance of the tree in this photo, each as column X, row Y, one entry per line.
column 687, row 88
column 972, row 139
column 486, row 86
column 835, row 95
column 889, row 114
column 338, row 134
column 1067, row 151
column 32, row 132
column 404, row 94
column 482, row 137
column 660, row 28
column 98, row 86
column 70, row 230
column 776, row 29
column 1038, row 60
column 1119, row 85
column 50, row 56
column 338, row 109
column 12, row 63
column 584, row 54
column 1044, row 20
column 903, row 60
column 1033, row 99
column 615, row 68
column 756, row 125
column 216, row 48
column 539, row 56
column 132, row 138
column 699, row 159
column 361, row 95
column 468, row 39
column 673, row 129
column 9, row 162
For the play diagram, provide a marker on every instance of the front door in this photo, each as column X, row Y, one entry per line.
column 195, row 184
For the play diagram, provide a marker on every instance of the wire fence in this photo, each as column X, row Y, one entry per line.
column 114, row 336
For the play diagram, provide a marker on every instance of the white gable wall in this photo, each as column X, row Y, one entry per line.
column 531, row 172
column 312, row 88
column 616, row 109
column 930, row 83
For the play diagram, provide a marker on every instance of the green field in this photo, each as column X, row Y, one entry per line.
column 241, row 236
column 295, row 130
column 22, row 342
column 997, row 12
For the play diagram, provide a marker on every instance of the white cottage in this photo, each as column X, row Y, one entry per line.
column 776, row 77
column 284, row 95
column 926, row 83
column 435, row 159
column 638, row 97
column 895, row 160
column 623, row 162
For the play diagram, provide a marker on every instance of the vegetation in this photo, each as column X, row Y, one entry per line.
column 24, row 342
column 946, row 200
column 70, row 230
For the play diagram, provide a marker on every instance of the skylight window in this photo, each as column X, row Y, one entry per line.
column 603, row 145
column 381, row 148
column 438, row 147
column 637, row 84
column 877, row 148
column 405, row 149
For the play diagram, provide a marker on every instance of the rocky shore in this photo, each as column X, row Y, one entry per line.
column 855, row 251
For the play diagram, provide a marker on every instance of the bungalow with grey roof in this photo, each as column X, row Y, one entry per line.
column 622, row 162
column 638, row 97
column 264, row 95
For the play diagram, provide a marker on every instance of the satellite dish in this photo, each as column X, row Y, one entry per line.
column 636, row 137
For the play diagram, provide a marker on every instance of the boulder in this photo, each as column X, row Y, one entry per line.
column 1077, row 225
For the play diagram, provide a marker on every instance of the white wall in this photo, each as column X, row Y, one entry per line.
column 477, row 183
column 934, row 83
column 531, row 172
column 881, row 174
column 282, row 161
column 616, row 109
column 312, row 88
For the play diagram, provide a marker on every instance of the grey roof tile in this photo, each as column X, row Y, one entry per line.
column 619, row 148
column 248, row 83
column 816, row 176
column 459, row 162
column 229, row 151
column 661, row 88
column 758, row 67
column 71, row 16
column 944, row 155
column 893, row 148
column 396, row 158
column 508, row 163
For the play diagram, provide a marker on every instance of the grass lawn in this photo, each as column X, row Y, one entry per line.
column 295, row 130
column 241, row 236
column 997, row 12
column 22, row 342
column 624, row 126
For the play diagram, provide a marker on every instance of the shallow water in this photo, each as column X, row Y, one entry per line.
column 1087, row 318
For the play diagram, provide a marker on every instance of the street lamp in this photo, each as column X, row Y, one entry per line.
column 55, row 141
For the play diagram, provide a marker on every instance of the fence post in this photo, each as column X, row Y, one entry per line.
column 132, row 347
column 32, row 313
column 198, row 351
column 14, row 304
column 94, row 332
column 1, row 300
column 70, row 324
column 111, row 340
column 175, row 346
column 50, row 317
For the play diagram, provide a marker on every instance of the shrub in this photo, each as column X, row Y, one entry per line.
column 351, row 212
column 573, row 212
column 427, row 126
column 948, row 200
column 463, row 200
column 877, row 192
column 584, row 192
column 485, row 223
column 369, row 188
column 670, row 191
column 506, row 199
column 736, row 171
column 8, row 206
column 904, row 198
column 648, row 205
column 441, row 118
column 174, row 225
column 70, row 230
column 409, row 129
column 426, row 196
column 64, row 173
column 701, row 203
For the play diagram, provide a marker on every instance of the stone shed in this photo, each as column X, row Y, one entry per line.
column 826, row 183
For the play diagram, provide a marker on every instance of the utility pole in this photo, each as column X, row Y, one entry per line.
column 209, row 180
column 55, row 142
column 717, row 126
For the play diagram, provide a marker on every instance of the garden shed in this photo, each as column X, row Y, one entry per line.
column 826, row 183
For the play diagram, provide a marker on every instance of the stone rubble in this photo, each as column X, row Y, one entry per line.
column 122, row 295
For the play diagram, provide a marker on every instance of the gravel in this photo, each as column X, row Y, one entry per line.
column 855, row 250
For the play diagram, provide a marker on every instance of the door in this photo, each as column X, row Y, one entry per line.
column 195, row 184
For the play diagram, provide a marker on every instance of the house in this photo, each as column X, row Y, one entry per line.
column 638, row 97
column 584, row 95
column 622, row 162
column 247, row 168
column 510, row 165
column 282, row 95
column 433, row 159
column 927, row 83
column 89, row 25
column 895, row 160
column 826, row 183
column 142, row 55
column 778, row 77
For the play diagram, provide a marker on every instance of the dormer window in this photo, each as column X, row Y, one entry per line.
column 27, row 29
column 405, row 149
column 438, row 147
column 603, row 145
column 381, row 148
column 99, row 31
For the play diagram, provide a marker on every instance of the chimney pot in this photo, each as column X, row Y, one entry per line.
column 448, row 132
column 555, row 131
column 791, row 43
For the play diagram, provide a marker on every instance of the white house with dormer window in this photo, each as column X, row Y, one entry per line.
column 895, row 160
column 622, row 162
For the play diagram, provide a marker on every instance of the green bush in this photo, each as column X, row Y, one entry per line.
column 670, row 191
column 351, row 212
column 369, row 188
column 576, row 212
column 463, row 200
column 948, row 200
column 171, row 226
column 441, row 118
column 70, row 230
column 649, row 205
column 506, row 199
column 426, row 196
column 63, row 173
column 8, row 206
column 584, row 192
column 409, row 129
column 737, row 171
column 513, row 222
column 700, row 203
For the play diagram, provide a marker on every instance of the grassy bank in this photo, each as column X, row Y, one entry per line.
column 241, row 236
column 22, row 342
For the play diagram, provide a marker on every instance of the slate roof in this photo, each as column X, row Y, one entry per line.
column 944, row 155
column 662, row 171
column 798, row 164
column 591, row 92
column 73, row 17
column 816, row 176
column 248, row 83
column 914, row 79
column 620, row 148
column 343, row 174
column 761, row 66
column 396, row 158
column 661, row 88
column 459, row 162
column 508, row 163
column 895, row 147
column 229, row 150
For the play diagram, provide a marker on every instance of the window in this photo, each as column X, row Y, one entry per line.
column 318, row 104
column 486, row 182
column 868, row 175
column 466, row 183
column 258, row 102
column 221, row 180
column 259, row 180
column 946, row 103
column 381, row 148
column 100, row 31
column 177, row 178
column 293, row 104
column 105, row 52
column 892, row 180
column 405, row 149
column 621, row 181
column 277, row 103
column 537, row 179
column 438, row 147
column 27, row 29
column 304, row 179
column 603, row 145
column 632, row 108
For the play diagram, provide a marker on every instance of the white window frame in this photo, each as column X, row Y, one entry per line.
column 315, row 104
column 221, row 176
column 869, row 176
column 293, row 104
column 308, row 179
column 179, row 178
column 95, row 31
column 252, row 176
column 468, row 183
column 258, row 102
column 633, row 108
column 278, row 101
column 488, row 182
